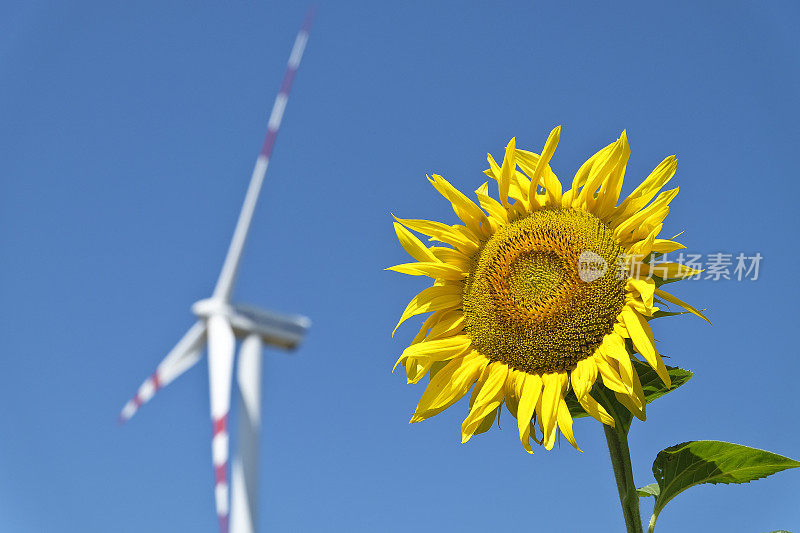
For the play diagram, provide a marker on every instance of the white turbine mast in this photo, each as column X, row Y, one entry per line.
column 219, row 324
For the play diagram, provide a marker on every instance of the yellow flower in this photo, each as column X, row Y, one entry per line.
column 540, row 291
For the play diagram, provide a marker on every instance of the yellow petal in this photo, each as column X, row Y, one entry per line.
column 634, row 400
column 421, row 367
column 431, row 299
column 449, row 385
column 529, row 395
column 665, row 246
column 488, row 398
column 639, row 307
column 553, row 385
column 626, row 400
column 652, row 215
column 497, row 213
column 512, row 388
column 565, row 423
column 541, row 171
column 583, row 173
column 677, row 301
column 614, row 348
column 507, row 170
column 643, row 341
column 638, row 398
column 452, row 235
column 518, row 188
column 440, row 324
column 437, row 349
column 645, row 288
column 451, row 257
column 583, row 377
column 596, row 410
column 608, row 195
column 519, row 210
column 598, row 174
column 566, row 199
column 437, row 270
column 647, row 189
column 494, row 169
column 487, row 422
column 429, row 322
column 449, row 324
column 644, row 247
column 465, row 209
column 413, row 245
column 611, row 378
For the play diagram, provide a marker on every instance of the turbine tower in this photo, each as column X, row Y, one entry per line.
column 219, row 323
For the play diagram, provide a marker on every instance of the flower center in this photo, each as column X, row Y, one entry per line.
column 544, row 291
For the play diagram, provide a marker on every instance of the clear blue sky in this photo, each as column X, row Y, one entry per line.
column 128, row 134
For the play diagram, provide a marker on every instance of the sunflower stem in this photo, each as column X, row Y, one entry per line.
column 617, row 439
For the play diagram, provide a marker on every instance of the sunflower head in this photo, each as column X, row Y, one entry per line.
column 537, row 292
column 526, row 302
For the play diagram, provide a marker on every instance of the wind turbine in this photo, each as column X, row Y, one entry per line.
column 219, row 323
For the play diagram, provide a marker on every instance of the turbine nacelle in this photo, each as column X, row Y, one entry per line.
column 274, row 329
column 211, row 306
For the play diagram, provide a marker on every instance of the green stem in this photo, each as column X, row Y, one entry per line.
column 652, row 525
column 617, row 439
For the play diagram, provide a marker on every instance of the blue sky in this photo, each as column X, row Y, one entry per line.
column 128, row 135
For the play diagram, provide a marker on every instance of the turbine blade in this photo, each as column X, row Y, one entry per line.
column 244, row 475
column 227, row 276
column 181, row 358
column 221, row 346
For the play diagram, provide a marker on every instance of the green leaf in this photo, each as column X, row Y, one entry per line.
column 649, row 490
column 685, row 465
column 619, row 412
column 652, row 386
column 605, row 398
column 575, row 408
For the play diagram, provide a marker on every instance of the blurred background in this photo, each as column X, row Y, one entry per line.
column 128, row 135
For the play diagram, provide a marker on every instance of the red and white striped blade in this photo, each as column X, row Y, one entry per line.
column 221, row 346
column 227, row 276
column 181, row 358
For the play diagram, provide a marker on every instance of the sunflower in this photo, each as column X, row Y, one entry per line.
column 540, row 292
